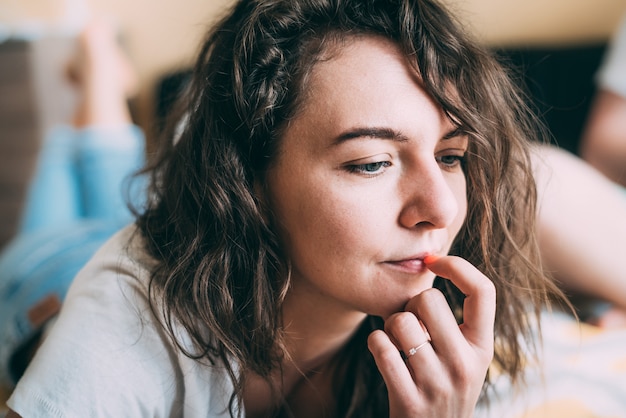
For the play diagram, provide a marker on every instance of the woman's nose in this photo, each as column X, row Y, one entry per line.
column 430, row 198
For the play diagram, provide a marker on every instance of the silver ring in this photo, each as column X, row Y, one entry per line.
column 414, row 350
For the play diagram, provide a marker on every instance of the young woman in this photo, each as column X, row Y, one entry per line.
column 337, row 156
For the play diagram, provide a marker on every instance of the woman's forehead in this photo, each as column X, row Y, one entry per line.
column 353, row 63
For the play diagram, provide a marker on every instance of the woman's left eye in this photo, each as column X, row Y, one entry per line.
column 451, row 161
column 369, row 168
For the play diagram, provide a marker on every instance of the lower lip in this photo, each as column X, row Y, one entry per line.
column 408, row 266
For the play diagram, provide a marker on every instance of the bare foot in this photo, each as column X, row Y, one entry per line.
column 104, row 77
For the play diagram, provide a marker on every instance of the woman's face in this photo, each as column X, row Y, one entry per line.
column 367, row 182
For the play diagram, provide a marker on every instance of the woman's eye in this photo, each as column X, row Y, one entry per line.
column 451, row 161
column 369, row 168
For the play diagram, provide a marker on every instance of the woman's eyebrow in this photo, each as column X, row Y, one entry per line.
column 370, row 132
column 454, row 133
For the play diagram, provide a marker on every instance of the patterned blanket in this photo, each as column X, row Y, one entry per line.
column 581, row 373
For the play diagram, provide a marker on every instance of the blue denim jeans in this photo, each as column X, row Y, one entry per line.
column 76, row 201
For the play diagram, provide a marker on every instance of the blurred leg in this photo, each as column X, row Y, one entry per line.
column 110, row 148
column 106, row 160
column 53, row 197
column 79, row 179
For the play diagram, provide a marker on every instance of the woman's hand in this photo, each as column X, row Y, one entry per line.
column 445, row 364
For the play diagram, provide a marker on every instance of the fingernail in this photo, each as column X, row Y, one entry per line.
column 429, row 259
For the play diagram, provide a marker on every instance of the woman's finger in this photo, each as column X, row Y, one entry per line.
column 400, row 385
column 479, row 308
column 411, row 338
column 434, row 312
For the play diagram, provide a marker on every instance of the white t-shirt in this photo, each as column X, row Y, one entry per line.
column 612, row 73
column 107, row 357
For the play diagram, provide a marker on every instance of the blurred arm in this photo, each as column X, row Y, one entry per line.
column 582, row 225
column 604, row 141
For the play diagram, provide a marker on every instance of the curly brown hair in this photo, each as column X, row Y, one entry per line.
column 222, row 274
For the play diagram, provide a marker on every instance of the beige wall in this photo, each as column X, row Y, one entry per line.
column 168, row 35
column 510, row 22
column 163, row 34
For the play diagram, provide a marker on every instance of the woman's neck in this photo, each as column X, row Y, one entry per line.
column 315, row 330
column 313, row 336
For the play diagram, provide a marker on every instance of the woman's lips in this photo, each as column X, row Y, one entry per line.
column 410, row 265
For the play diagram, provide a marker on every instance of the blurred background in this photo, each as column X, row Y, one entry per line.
column 161, row 35
column 557, row 44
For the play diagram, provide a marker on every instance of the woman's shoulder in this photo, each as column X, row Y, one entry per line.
column 109, row 351
column 120, row 264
